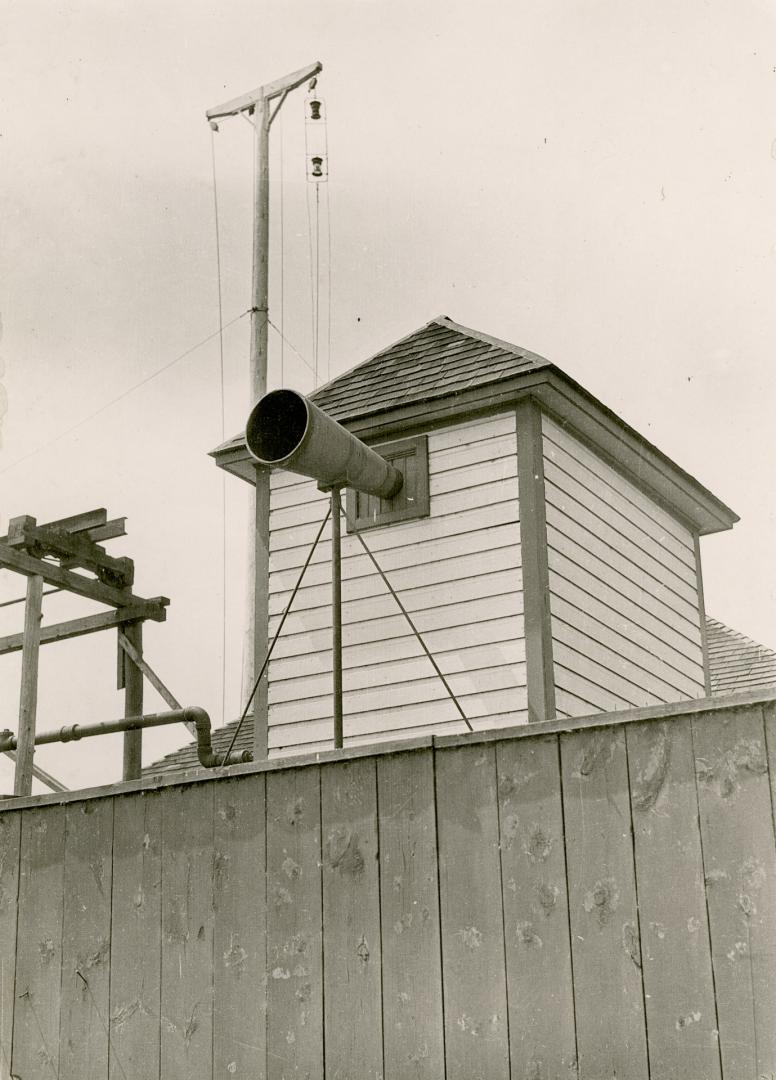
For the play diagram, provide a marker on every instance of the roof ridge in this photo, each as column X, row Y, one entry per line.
column 488, row 339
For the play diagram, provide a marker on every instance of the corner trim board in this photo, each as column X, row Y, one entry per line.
column 536, row 578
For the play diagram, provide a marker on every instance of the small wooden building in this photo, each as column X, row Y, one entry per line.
column 548, row 553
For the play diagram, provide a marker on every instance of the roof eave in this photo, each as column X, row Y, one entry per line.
column 649, row 468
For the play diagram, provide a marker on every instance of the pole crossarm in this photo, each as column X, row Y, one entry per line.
column 77, row 583
column 89, row 624
column 264, row 93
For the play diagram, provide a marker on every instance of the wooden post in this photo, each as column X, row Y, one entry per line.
column 536, row 582
column 28, row 698
column 258, row 548
column 336, row 614
column 133, row 702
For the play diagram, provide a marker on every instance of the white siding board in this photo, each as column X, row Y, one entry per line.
column 405, row 581
column 492, row 633
column 584, row 563
column 628, row 620
column 451, row 503
column 355, row 564
column 457, row 571
column 403, row 535
column 555, row 436
column 619, row 571
column 481, row 709
column 597, row 516
column 623, row 588
column 394, row 671
column 622, row 644
column 297, row 637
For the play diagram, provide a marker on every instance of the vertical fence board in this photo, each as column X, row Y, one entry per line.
column 187, row 933
column 675, row 947
column 476, row 1021
column 39, row 935
column 740, row 867
column 239, row 897
column 412, row 977
column 536, row 913
column 294, row 931
column 608, row 988
column 136, row 937
column 351, row 920
column 83, row 1042
column 10, row 827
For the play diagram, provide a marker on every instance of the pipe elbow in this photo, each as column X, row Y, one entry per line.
column 196, row 715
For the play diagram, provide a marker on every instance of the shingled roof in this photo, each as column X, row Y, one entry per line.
column 737, row 664
column 439, row 359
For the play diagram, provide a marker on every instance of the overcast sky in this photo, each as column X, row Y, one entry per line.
column 594, row 180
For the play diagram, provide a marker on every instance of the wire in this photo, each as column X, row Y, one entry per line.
column 291, row 346
column 271, row 648
column 21, row 599
column 124, row 394
column 328, row 276
column 312, row 270
column 282, row 261
column 317, row 278
column 406, row 615
column 223, row 422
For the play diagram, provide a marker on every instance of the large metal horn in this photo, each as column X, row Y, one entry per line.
column 287, row 431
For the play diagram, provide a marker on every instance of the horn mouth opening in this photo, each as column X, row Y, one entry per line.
column 277, row 426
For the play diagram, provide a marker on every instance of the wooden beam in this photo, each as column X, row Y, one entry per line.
column 76, row 583
column 133, row 704
column 266, row 92
column 89, row 624
column 79, row 550
column 41, row 774
column 79, row 522
column 536, row 584
column 111, row 529
column 28, row 699
column 152, row 677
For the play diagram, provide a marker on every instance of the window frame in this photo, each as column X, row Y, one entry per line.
column 413, row 446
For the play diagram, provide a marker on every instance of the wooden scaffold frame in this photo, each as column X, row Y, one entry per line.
column 56, row 554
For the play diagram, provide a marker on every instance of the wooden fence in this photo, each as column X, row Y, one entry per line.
column 595, row 901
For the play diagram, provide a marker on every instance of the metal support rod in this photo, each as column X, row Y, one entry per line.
column 133, row 703
column 336, row 613
column 28, row 698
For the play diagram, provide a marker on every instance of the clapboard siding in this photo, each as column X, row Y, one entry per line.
column 458, row 573
column 625, row 613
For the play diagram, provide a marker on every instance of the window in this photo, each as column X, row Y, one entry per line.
column 410, row 457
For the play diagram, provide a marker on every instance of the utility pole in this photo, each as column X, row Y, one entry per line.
column 257, row 103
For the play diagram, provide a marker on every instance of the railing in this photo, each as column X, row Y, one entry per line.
column 590, row 898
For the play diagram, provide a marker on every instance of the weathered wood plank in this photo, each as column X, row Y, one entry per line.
column 608, row 990
column 413, row 1024
column 86, row 932
column 351, row 920
column 536, row 915
column 28, row 696
column 10, row 828
column 239, row 1017
column 739, row 860
column 294, row 927
column 136, row 937
column 676, row 953
column 39, row 945
column 187, row 933
column 89, row 624
column 476, row 1020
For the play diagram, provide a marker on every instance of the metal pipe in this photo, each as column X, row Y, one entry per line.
column 336, row 613
column 192, row 714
